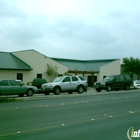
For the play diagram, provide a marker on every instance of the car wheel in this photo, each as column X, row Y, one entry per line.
column 47, row 93
column 69, row 92
column 127, row 86
column 56, row 90
column 80, row 89
column 98, row 89
column 29, row 92
column 108, row 88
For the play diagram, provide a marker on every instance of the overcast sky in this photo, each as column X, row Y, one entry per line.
column 74, row 29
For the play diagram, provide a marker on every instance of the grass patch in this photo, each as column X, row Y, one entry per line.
column 5, row 99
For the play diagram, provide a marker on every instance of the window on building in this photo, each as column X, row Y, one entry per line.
column 39, row 75
column 60, row 75
column 104, row 77
column 20, row 76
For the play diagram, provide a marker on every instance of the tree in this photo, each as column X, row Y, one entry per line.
column 52, row 71
column 131, row 66
column 137, row 69
column 66, row 73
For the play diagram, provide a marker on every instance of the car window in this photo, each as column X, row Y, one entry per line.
column 127, row 77
column 81, row 78
column 14, row 83
column 20, row 82
column 74, row 78
column 116, row 78
column 122, row 78
column 58, row 79
column 108, row 78
column 4, row 83
column 66, row 79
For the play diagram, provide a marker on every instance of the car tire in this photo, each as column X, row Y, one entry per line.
column 80, row 89
column 57, row 90
column 98, row 89
column 30, row 92
column 46, row 93
column 127, row 86
column 108, row 88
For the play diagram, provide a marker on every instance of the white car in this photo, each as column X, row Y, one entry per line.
column 136, row 84
column 66, row 83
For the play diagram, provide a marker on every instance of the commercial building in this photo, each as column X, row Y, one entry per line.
column 29, row 64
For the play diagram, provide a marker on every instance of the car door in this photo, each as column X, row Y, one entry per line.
column 5, row 88
column 122, row 81
column 116, row 82
column 66, row 84
column 16, row 87
column 74, row 83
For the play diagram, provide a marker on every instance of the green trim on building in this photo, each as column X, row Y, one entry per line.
column 84, row 65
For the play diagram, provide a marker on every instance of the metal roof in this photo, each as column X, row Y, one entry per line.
column 9, row 61
column 83, row 65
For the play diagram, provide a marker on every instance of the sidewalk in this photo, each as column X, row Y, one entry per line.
column 91, row 88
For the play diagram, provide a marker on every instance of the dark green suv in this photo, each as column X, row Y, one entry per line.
column 37, row 82
column 114, row 82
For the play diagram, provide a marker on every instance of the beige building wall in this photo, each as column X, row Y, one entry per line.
column 112, row 68
column 12, row 74
column 38, row 63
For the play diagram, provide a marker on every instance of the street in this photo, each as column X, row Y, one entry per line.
column 87, row 116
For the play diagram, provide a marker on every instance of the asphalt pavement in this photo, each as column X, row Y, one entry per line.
column 88, row 116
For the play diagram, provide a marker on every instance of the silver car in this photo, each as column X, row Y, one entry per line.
column 66, row 83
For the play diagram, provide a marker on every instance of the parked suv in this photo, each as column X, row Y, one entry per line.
column 37, row 82
column 114, row 82
column 66, row 83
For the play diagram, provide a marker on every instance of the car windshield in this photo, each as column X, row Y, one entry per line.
column 108, row 78
column 137, row 82
column 20, row 82
column 58, row 79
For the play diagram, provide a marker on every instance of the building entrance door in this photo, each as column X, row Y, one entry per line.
column 91, row 80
